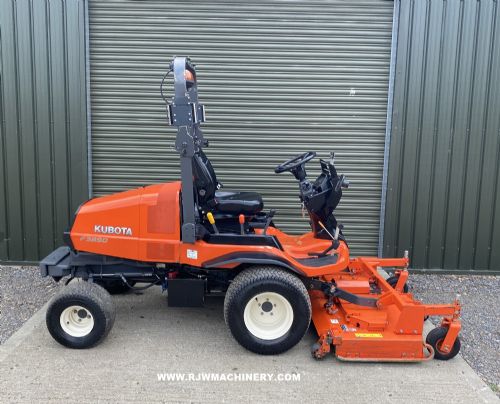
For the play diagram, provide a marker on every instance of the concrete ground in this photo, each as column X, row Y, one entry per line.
column 150, row 338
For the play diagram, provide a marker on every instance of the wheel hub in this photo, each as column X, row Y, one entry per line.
column 76, row 321
column 268, row 315
column 267, row 306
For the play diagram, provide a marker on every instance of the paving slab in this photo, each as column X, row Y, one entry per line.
column 150, row 338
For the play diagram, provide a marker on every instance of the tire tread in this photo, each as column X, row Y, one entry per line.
column 257, row 274
column 91, row 291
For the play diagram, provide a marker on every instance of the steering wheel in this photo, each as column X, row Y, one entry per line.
column 294, row 162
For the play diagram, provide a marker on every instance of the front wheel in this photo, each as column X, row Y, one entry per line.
column 267, row 310
column 435, row 338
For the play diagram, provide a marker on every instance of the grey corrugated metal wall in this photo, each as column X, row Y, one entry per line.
column 443, row 198
column 43, row 151
column 278, row 78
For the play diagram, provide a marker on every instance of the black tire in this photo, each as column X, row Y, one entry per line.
column 114, row 286
column 96, row 303
column 266, row 279
column 393, row 280
column 436, row 337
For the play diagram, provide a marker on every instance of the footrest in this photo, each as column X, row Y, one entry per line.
column 317, row 262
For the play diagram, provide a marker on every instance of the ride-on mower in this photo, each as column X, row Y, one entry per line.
column 194, row 239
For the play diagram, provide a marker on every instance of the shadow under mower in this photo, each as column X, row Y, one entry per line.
column 194, row 239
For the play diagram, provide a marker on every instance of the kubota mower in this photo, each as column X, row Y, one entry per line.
column 194, row 239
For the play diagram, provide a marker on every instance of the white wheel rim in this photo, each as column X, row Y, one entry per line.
column 268, row 315
column 77, row 321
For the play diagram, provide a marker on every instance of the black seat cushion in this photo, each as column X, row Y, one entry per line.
column 247, row 203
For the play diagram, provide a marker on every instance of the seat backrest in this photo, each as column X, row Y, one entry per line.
column 205, row 180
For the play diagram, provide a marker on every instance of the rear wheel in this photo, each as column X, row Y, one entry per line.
column 81, row 315
column 436, row 337
column 267, row 310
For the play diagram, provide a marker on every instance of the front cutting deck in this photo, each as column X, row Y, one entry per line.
column 387, row 327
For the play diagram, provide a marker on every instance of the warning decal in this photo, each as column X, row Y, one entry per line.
column 368, row 335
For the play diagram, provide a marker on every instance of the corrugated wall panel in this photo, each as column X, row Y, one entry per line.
column 277, row 77
column 43, row 152
column 443, row 193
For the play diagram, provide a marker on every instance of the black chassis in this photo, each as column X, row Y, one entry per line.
column 64, row 262
column 188, row 286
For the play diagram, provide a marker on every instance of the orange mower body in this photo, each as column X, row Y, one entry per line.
column 194, row 239
column 144, row 225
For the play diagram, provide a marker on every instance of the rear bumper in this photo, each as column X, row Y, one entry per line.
column 57, row 263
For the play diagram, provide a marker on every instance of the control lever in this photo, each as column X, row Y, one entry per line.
column 270, row 216
column 341, row 183
column 241, row 219
column 211, row 220
column 327, row 232
column 335, row 240
column 337, row 231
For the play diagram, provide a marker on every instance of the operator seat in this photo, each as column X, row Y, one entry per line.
column 208, row 196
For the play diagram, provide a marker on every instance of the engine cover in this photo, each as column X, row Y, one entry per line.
column 141, row 224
